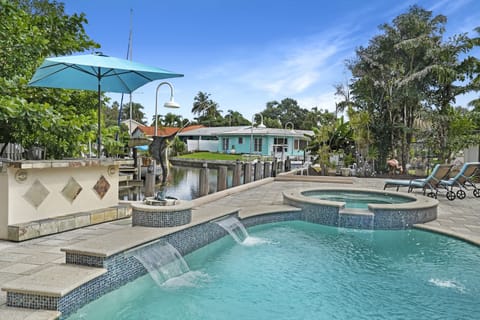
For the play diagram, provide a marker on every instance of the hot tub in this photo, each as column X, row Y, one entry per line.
column 362, row 208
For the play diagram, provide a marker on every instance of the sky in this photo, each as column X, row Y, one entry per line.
column 245, row 53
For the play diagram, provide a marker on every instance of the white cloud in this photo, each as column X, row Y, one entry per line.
column 324, row 100
column 448, row 7
column 289, row 68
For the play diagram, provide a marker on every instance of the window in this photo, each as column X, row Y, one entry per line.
column 257, row 145
column 226, row 144
column 280, row 141
column 240, row 140
column 299, row 144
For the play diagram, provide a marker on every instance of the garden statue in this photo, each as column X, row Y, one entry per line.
column 158, row 150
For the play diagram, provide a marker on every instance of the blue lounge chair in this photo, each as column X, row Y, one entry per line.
column 462, row 180
column 432, row 182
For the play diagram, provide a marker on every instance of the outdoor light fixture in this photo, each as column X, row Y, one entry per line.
column 285, row 142
column 261, row 125
column 169, row 104
column 286, row 125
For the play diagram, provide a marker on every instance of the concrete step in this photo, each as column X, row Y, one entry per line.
column 11, row 313
column 55, row 281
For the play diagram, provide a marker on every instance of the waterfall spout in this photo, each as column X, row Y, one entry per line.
column 234, row 227
column 162, row 262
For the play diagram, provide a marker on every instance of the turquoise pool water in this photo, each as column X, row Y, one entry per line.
column 357, row 199
column 298, row 270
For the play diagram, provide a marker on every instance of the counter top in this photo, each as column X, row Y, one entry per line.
column 42, row 164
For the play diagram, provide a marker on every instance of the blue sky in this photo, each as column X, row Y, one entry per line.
column 248, row 52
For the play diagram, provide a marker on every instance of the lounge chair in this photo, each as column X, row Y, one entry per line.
column 432, row 182
column 462, row 180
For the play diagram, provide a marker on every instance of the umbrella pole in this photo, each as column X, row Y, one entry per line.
column 99, row 134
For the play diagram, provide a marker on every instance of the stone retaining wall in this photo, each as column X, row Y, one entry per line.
column 39, row 228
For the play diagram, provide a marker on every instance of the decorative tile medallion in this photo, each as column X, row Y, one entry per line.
column 111, row 171
column 36, row 194
column 21, row 175
column 71, row 189
column 101, row 187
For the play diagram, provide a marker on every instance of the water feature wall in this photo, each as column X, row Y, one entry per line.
column 234, row 227
column 162, row 262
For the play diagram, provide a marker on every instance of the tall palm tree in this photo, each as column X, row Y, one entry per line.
column 202, row 102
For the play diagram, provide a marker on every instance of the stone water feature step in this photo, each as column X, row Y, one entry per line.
column 118, row 241
column 124, row 239
column 55, row 281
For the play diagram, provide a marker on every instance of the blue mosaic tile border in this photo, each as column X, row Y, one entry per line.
column 32, row 301
column 272, row 218
column 161, row 219
column 91, row 261
column 402, row 219
column 121, row 270
column 356, row 221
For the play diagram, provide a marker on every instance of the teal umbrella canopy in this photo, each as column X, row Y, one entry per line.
column 96, row 72
column 88, row 72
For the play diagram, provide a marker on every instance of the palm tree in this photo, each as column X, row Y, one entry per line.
column 172, row 120
column 202, row 102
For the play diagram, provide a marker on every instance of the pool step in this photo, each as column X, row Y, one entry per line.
column 21, row 313
column 49, row 288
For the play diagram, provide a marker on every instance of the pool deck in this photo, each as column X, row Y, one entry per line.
column 457, row 218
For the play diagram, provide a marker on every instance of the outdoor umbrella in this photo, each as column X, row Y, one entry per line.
column 96, row 72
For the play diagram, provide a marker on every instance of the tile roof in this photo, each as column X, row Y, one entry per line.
column 165, row 131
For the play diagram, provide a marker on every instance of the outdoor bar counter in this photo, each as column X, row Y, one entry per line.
column 41, row 197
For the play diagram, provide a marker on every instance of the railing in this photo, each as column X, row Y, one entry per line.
column 12, row 151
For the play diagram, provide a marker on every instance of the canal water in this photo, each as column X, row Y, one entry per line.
column 182, row 183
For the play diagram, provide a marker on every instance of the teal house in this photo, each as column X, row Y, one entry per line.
column 274, row 142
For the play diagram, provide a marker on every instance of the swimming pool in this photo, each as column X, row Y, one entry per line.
column 309, row 271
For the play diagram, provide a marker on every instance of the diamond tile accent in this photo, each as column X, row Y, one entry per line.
column 71, row 189
column 36, row 194
column 101, row 187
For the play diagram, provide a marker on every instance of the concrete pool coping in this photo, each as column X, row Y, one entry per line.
column 458, row 219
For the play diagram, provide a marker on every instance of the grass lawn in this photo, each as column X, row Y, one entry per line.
column 212, row 156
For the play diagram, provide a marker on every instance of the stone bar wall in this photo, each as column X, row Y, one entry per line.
column 39, row 190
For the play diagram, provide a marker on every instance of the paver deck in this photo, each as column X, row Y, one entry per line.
column 459, row 218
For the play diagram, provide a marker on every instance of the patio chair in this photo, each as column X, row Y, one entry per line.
column 462, row 180
column 432, row 182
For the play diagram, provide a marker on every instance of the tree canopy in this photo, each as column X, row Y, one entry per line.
column 59, row 120
column 410, row 74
